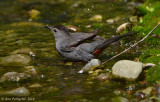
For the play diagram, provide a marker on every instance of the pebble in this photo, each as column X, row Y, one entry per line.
column 119, row 99
column 97, row 18
column 21, row 91
column 16, row 60
column 91, row 65
column 122, row 27
column 14, row 76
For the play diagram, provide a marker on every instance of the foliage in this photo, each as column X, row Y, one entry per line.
column 149, row 18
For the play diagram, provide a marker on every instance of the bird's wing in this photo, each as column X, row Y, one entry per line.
column 78, row 38
column 66, row 49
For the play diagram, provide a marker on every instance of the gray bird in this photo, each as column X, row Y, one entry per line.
column 73, row 46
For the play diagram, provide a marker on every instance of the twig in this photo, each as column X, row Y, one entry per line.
column 132, row 45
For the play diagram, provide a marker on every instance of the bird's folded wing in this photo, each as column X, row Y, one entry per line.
column 66, row 49
column 78, row 38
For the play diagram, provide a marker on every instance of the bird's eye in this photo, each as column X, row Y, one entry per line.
column 55, row 30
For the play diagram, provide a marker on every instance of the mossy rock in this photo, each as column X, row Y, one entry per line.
column 16, row 60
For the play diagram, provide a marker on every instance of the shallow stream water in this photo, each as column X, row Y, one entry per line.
column 60, row 82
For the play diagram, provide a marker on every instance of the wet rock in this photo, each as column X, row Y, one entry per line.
column 96, row 72
column 26, row 51
column 131, row 87
column 117, row 92
column 69, row 64
column 119, row 99
column 16, row 60
column 103, row 76
column 110, row 21
column 30, row 70
column 139, row 95
column 90, row 65
column 131, row 5
column 74, row 90
column 97, row 18
column 52, row 90
column 33, row 14
column 123, row 27
column 72, row 28
column 36, row 85
column 133, row 19
column 113, row 20
column 14, row 76
column 21, row 91
column 146, row 92
column 128, row 70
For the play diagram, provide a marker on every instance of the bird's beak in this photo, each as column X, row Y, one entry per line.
column 47, row 26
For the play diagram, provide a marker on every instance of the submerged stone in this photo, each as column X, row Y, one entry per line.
column 103, row 76
column 16, row 60
column 30, row 70
column 26, row 51
column 113, row 20
column 14, row 76
column 52, row 90
column 146, row 92
column 119, row 99
column 36, row 85
column 34, row 14
column 21, row 91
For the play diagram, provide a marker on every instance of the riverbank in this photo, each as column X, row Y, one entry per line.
column 148, row 15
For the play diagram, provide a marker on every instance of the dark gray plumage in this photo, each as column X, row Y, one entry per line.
column 73, row 47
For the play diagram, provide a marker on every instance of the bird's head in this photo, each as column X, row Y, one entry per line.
column 58, row 31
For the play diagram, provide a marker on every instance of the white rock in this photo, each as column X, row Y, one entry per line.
column 127, row 69
column 90, row 66
column 97, row 18
column 123, row 27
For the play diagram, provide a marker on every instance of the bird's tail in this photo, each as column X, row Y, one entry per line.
column 113, row 39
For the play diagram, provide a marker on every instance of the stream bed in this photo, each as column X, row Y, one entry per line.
column 22, row 28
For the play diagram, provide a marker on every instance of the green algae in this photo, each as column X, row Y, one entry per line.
column 152, row 56
column 16, row 32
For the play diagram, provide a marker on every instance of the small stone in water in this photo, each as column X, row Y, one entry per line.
column 73, row 28
column 36, row 85
column 103, row 76
column 26, row 51
column 97, row 18
column 21, row 91
column 16, row 60
column 123, row 27
column 133, row 19
column 129, row 70
column 144, row 93
column 14, row 76
column 30, row 70
column 119, row 99
column 110, row 21
column 90, row 66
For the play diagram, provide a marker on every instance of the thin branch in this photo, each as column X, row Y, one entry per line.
column 132, row 45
